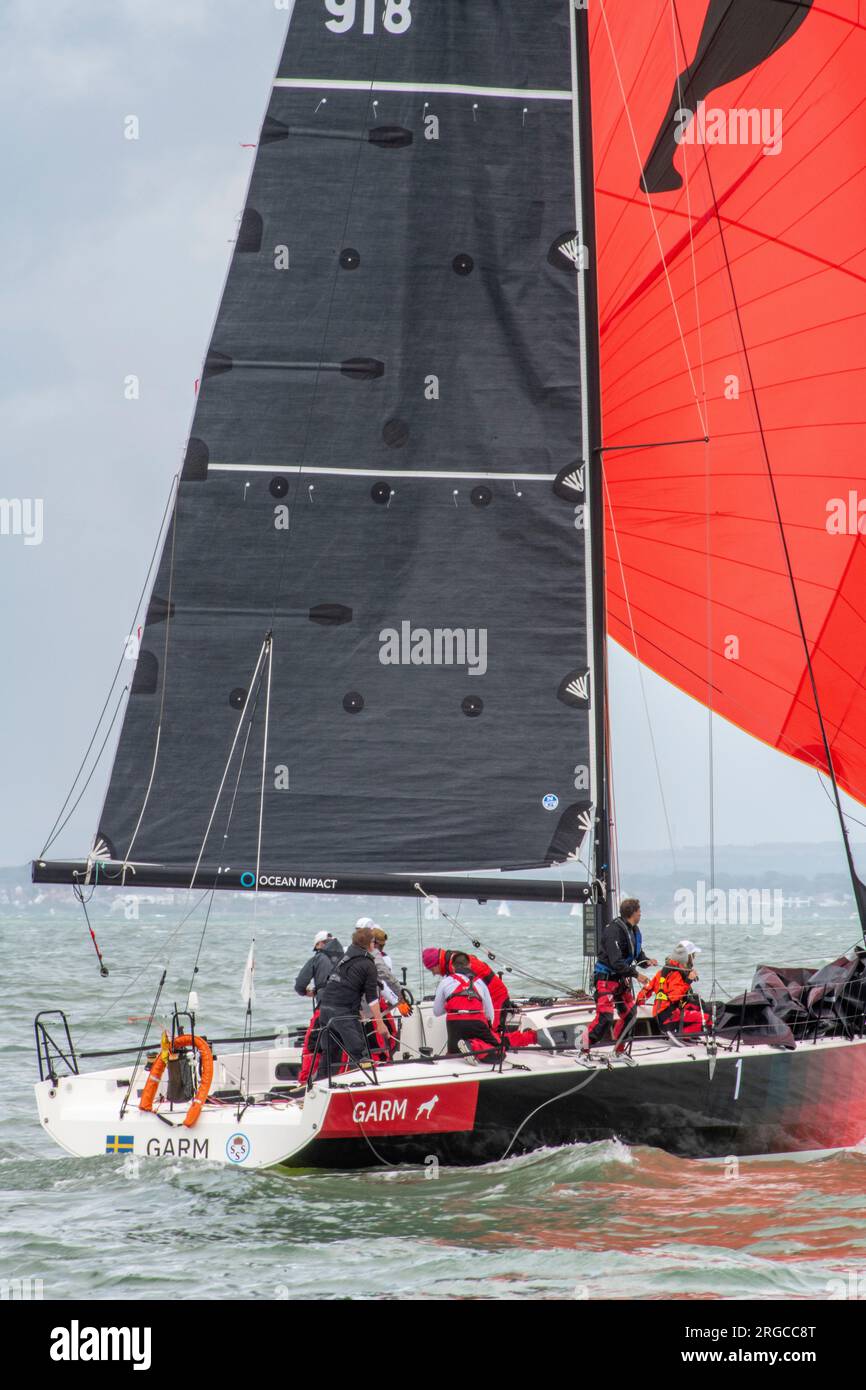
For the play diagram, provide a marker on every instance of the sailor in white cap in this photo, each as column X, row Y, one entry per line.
column 391, row 986
column 313, row 975
column 671, row 986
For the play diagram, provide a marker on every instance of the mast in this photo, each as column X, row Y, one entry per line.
column 591, row 390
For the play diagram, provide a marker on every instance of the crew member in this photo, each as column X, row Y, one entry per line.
column 442, row 963
column 620, row 953
column 353, row 981
column 312, row 978
column 674, row 1003
column 391, row 986
column 464, row 1001
column 496, row 988
column 313, row 975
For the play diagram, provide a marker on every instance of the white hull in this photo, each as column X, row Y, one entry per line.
column 82, row 1113
column 757, row 1100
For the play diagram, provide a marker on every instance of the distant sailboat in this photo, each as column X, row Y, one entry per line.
column 448, row 434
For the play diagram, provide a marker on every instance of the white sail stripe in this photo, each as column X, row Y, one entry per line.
column 345, row 85
column 383, row 473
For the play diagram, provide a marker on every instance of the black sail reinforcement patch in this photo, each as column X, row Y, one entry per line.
column 575, row 823
column 146, row 678
column 195, row 461
column 250, row 232
column 330, row 614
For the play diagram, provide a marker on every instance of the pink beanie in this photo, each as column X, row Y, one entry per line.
column 430, row 957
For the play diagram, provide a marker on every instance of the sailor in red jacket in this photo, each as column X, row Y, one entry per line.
column 446, row 963
column 496, row 986
column 466, row 1004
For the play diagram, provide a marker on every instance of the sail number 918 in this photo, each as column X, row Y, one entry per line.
column 396, row 16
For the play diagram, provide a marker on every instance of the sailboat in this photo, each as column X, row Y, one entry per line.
column 534, row 330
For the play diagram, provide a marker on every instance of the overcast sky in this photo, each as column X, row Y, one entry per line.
column 114, row 253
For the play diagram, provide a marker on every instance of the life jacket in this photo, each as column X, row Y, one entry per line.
column 670, row 985
column 673, row 983
column 465, row 1002
column 603, row 971
column 483, row 971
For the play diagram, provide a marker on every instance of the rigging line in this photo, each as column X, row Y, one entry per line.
column 654, row 222
column 496, row 956
column 691, row 229
column 211, row 892
column 255, row 676
column 640, row 670
column 79, row 893
column 129, row 848
column 859, row 892
column 246, row 1050
column 615, row 878
column 51, row 834
column 148, row 1026
column 561, row 1096
column 149, row 962
column 241, row 764
column 657, row 444
column 848, row 814
column 269, row 642
column 58, row 829
column 185, row 919
column 711, row 762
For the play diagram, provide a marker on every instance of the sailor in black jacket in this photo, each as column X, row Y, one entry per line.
column 619, row 955
column 314, row 974
column 353, row 979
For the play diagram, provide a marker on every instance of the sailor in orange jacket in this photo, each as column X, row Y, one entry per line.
column 671, row 984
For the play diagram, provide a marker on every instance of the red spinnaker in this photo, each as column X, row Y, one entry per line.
column 732, row 281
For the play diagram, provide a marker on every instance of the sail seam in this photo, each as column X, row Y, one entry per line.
column 377, row 472
column 443, row 88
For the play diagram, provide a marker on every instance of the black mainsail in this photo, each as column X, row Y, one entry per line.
column 374, row 642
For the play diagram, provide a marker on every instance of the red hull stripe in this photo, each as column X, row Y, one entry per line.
column 412, row 1110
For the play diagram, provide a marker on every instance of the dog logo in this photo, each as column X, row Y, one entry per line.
column 427, row 1108
column 736, row 38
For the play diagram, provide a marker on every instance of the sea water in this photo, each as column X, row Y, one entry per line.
column 581, row 1222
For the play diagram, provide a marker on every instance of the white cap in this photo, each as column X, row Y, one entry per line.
column 689, row 947
column 365, row 922
column 321, row 936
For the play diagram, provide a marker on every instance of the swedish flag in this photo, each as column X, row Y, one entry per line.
column 119, row 1143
